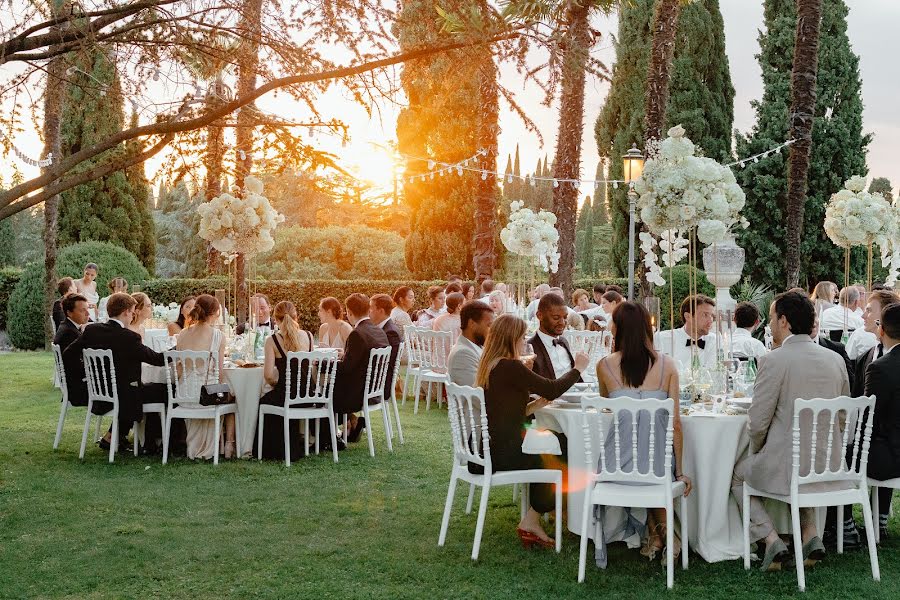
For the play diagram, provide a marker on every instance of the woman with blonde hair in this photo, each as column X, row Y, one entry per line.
column 288, row 338
column 143, row 310
column 498, row 302
column 823, row 296
column 508, row 384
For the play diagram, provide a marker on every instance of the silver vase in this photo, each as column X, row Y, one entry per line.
column 724, row 263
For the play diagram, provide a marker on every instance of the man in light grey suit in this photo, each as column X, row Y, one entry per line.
column 798, row 368
column 475, row 319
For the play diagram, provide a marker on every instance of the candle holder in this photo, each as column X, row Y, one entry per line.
column 651, row 303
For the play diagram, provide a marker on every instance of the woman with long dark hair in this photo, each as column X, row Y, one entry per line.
column 184, row 316
column 636, row 370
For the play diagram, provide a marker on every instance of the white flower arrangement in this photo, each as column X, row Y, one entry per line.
column 855, row 217
column 678, row 192
column 532, row 235
column 168, row 314
column 242, row 225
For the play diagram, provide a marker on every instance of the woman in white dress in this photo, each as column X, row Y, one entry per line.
column 203, row 336
column 87, row 287
column 405, row 300
column 116, row 285
column 334, row 330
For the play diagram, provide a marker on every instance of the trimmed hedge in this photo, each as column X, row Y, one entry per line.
column 26, row 303
column 9, row 277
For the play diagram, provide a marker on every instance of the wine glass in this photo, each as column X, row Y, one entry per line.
column 528, row 353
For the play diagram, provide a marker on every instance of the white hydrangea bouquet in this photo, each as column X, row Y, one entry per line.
column 164, row 313
column 855, row 217
column 240, row 225
column 680, row 191
column 532, row 235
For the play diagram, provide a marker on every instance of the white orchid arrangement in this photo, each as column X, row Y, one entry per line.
column 240, row 225
column 672, row 253
column 678, row 192
column 533, row 235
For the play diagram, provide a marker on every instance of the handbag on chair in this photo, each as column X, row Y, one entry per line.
column 212, row 394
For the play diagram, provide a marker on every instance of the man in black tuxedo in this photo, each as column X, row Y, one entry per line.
column 75, row 307
column 380, row 307
column 259, row 303
column 872, row 317
column 128, row 354
column 552, row 356
column 350, row 383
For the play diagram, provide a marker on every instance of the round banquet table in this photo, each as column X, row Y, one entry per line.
column 712, row 446
column 247, row 384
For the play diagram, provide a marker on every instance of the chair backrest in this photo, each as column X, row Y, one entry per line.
column 412, row 347
column 186, row 373
column 160, row 343
column 843, row 425
column 376, row 374
column 433, row 348
column 589, row 342
column 631, row 418
column 315, row 373
column 400, row 350
column 60, row 372
column 469, row 425
column 101, row 376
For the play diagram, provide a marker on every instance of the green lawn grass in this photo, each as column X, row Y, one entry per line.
column 364, row 528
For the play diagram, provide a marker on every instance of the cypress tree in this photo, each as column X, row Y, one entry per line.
column 586, row 254
column 701, row 96
column 838, row 148
column 600, row 214
column 109, row 209
column 882, row 185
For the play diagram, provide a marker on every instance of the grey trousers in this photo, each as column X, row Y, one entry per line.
column 760, row 521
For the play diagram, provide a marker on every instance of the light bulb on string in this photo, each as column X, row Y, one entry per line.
column 484, row 175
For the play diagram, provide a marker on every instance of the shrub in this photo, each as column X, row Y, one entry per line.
column 681, row 288
column 9, row 277
column 26, row 303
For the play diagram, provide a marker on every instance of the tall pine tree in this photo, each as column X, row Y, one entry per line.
column 701, row 96
column 882, row 185
column 600, row 214
column 838, row 148
column 114, row 208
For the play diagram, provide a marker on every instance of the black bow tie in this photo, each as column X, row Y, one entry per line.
column 880, row 352
column 266, row 324
column 558, row 342
column 701, row 343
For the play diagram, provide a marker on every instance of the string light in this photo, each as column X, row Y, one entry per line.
column 43, row 162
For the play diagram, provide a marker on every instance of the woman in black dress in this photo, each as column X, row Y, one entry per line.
column 288, row 338
column 508, row 384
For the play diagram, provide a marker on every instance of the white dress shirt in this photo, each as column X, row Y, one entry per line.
column 559, row 358
column 683, row 355
column 743, row 342
column 833, row 319
column 860, row 342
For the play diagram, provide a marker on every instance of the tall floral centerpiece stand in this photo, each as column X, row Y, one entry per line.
column 533, row 238
column 855, row 217
column 684, row 198
column 240, row 223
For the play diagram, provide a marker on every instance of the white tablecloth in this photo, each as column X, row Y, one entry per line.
column 712, row 445
column 248, row 387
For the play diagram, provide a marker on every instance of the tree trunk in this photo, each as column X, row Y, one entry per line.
column 212, row 161
column 248, row 63
column 53, row 99
column 567, row 163
column 665, row 27
column 484, row 237
column 803, row 104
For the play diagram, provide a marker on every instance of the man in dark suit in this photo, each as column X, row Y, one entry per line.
column 128, row 354
column 350, row 382
column 552, row 356
column 75, row 308
column 380, row 307
column 872, row 316
column 836, row 347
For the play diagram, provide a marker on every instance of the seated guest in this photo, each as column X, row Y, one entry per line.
column 65, row 286
column 405, row 301
column 842, row 317
column 860, row 309
column 380, row 307
column 487, row 286
column 498, row 302
column 288, row 338
column 260, row 308
column 837, row 348
column 698, row 313
column 87, row 287
column 575, row 321
column 615, row 288
column 129, row 353
column 203, row 336
column 116, row 285
column 350, row 383
column 468, row 291
column 462, row 364
column 450, row 320
column 636, row 370
column 143, row 310
column 334, row 331
column 581, row 301
column 598, row 291
column 552, row 356
column 609, row 301
column 746, row 320
column 824, row 296
column 508, row 385
column 437, row 297
column 453, row 288
column 184, row 316
column 539, row 291
column 862, row 340
column 75, row 307
column 798, row 368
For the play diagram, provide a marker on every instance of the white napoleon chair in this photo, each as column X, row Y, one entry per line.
column 874, row 485
column 305, row 397
column 432, row 348
column 186, row 372
column 374, row 394
column 101, row 383
column 393, row 392
column 589, row 342
column 609, row 485
column 65, row 405
column 471, row 444
column 413, row 361
column 849, row 423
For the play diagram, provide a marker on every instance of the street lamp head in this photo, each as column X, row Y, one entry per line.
column 633, row 163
